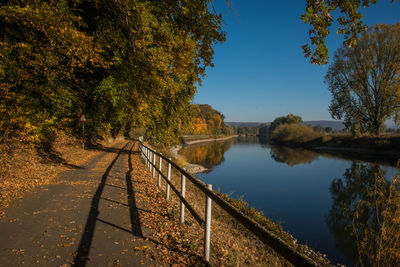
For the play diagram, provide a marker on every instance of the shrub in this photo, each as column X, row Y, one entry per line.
column 295, row 133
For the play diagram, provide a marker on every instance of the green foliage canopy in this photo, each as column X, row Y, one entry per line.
column 319, row 15
column 365, row 80
column 122, row 63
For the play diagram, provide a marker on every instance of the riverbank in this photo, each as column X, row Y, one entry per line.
column 367, row 148
column 182, row 161
column 190, row 140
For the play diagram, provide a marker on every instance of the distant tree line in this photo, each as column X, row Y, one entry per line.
column 246, row 130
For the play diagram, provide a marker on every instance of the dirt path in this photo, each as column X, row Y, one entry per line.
column 88, row 217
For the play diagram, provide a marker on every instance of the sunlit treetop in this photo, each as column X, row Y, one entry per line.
column 319, row 15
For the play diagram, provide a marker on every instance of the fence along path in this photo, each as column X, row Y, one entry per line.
column 150, row 156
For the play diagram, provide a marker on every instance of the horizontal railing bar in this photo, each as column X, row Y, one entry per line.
column 264, row 235
column 188, row 206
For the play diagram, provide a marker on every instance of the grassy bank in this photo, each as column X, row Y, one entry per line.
column 366, row 147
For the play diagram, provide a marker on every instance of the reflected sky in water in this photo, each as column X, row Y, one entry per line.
column 291, row 186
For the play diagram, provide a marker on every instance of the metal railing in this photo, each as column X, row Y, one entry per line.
column 149, row 156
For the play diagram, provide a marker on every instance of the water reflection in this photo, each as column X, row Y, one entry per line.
column 250, row 139
column 207, row 154
column 292, row 156
column 365, row 215
column 212, row 153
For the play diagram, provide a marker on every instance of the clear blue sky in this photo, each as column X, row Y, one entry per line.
column 260, row 72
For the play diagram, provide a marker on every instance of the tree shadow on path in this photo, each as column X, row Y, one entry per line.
column 82, row 254
column 133, row 211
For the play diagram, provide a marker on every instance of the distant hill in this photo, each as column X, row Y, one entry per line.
column 243, row 124
column 335, row 125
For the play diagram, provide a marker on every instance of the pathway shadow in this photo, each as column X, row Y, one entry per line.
column 100, row 147
column 133, row 211
column 82, row 254
column 49, row 155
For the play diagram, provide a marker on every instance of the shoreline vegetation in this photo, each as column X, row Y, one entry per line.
column 383, row 148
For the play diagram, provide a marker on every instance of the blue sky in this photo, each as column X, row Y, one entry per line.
column 260, row 72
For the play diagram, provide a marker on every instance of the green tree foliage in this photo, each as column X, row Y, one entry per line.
column 322, row 129
column 122, row 63
column 288, row 119
column 44, row 58
column 365, row 80
column 319, row 14
column 246, row 130
column 265, row 130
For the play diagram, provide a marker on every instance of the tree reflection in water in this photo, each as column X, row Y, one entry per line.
column 292, row 156
column 207, row 154
column 365, row 215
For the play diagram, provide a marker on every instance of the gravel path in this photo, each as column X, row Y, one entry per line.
column 88, row 217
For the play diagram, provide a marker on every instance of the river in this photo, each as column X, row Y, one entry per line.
column 333, row 205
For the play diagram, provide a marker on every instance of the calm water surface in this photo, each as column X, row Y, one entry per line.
column 315, row 197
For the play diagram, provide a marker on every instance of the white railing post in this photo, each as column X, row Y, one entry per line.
column 183, row 192
column 145, row 153
column 148, row 159
column 150, row 166
column 169, row 178
column 154, row 165
column 207, row 227
column 159, row 173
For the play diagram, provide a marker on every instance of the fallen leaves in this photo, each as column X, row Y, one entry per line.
column 140, row 248
column 23, row 168
column 161, row 218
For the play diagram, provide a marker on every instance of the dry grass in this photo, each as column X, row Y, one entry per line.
column 294, row 133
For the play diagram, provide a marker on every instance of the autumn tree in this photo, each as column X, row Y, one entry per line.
column 44, row 58
column 206, row 120
column 365, row 80
column 320, row 15
column 288, row 119
column 123, row 63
